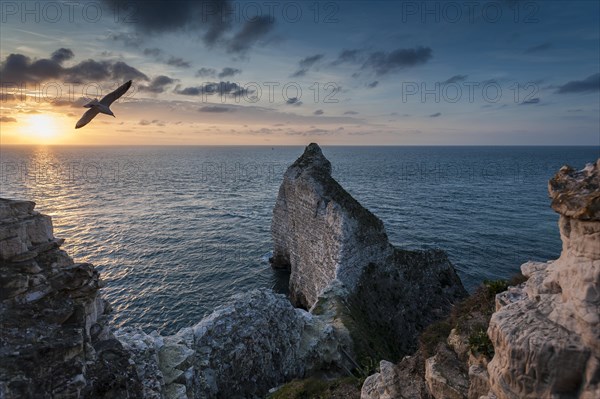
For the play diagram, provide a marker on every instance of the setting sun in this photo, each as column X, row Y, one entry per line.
column 44, row 129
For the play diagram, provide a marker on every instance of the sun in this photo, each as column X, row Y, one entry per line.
column 44, row 129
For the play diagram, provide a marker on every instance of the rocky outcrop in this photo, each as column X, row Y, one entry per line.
column 546, row 333
column 320, row 232
column 402, row 381
column 324, row 237
column 54, row 341
column 241, row 350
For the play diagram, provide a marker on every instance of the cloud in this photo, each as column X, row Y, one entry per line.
column 373, row 84
column 383, row 62
column 348, row 56
column 294, row 101
column 158, row 84
column 128, row 39
column 435, row 115
column 305, row 64
column 455, row 79
column 319, row 112
column 7, row 119
column 535, row 100
column 18, row 68
column 299, row 73
column 221, row 88
column 587, row 85
column 251, row 32
column 172, row 61
column 350, row 113
column 227, row 71
column 178, row 62
column 216, row 109
column 156, row 122
column 538, row 48
column 206, row 72
column 61, row 55
column 310, row 61
column 210, row 19
column 122, row 71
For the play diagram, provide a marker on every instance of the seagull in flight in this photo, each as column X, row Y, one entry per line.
column 102, row 106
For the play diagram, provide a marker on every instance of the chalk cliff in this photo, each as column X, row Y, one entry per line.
column 324, row 236
column 320, row 232
column 53, row 341
column 546, row 333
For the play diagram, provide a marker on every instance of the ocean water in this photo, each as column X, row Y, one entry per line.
column 176, row 231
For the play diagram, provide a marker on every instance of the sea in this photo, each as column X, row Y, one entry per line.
column 177, row 231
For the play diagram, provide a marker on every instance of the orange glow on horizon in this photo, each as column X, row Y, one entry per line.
column 37, row 129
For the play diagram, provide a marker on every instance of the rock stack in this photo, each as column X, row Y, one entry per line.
column 546, row 333
column 329, row 241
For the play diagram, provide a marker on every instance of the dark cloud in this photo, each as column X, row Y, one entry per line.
column 178, row 62
column 122, row 71
column 206, row 72
column 382, row 62
column 310, row 61
column 7, row 119
column 299, row 73
column 61, row 55
column 435, row 115
column 210, row 19
column 455, row 79
column 227, row 71
column 221, row 88
column 350, row 113
column 216, row 109
column 348, row 56
column 587, row 85
column 305, row 64
column 17, row 68
column 251, row 32
column 319, row 112
column 538, row 48
column 535, row 100
column 158, row 84
column 373, row 84
column 156, row 122
column 294, row 101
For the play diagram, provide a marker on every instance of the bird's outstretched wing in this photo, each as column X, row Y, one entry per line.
column 115, row 95
column 87, row 117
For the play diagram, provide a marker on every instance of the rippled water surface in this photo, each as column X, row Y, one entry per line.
column 176, row 231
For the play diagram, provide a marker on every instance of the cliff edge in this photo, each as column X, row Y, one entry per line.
column 546, row 333
column 54, row 341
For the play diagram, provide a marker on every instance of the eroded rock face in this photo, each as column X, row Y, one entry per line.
column 325, row 237
column 53, row 341
column 320, row 232
column 256, row 342
column 546, row 333
column 402, row 381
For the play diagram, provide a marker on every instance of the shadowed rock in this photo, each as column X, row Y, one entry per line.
column 53, row 341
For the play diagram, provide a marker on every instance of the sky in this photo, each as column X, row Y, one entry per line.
column 223, row 72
